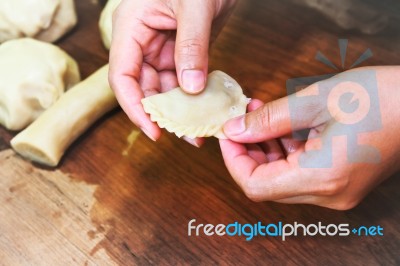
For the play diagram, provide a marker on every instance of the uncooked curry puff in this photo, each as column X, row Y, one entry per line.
column 33, row 75
column 201, row 115
column 46, row 20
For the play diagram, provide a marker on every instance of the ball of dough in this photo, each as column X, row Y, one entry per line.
column 46, row 20
column 33, row 75
column 105, row 22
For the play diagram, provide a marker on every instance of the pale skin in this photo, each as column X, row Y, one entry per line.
column 158, row 45
column 264, row 160
column 156, row 42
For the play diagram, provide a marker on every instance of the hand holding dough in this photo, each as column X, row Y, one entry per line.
column 105, row 22
column 46, row 20
column 201, row 115
column 46, row 139
column 33, row 75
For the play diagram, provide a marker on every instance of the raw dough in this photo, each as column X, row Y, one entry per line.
column 46, row 20
column 200, row 115
column 46, row 139
column 33, row 75
column 105, row 22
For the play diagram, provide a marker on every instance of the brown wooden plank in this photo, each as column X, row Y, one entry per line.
column 123, row 199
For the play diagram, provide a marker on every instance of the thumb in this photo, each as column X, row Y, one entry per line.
column 194, row 19
column 273, row 120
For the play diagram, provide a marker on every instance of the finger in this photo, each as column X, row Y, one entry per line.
column 149, row 80
column 194, row 20
column 272, row 150
column 290, row 145
column 197, row 142
column 254, row 105
column 256, row 153
column 168, row 80
column 265, row 152
column 124, row 75
column 271, row 181
column 275, row 119
column 232, row 151
column 164, row 60
column 270, row 121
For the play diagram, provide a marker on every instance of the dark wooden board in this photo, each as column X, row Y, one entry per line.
column 129, row 200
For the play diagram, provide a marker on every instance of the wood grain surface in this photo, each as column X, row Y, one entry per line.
column 117, row 198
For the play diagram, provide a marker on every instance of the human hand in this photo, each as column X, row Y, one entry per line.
column 268, row 164
column 158, row 44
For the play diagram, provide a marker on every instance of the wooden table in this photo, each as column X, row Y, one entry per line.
column 119, row 198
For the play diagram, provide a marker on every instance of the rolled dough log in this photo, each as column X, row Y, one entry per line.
column 33, row 75
column 105, row 23
column 46, row 139
column 46, row 20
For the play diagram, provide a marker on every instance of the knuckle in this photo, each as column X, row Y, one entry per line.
column 262, row 118
column 147, row 92
column 191, row 47
column 265, row 119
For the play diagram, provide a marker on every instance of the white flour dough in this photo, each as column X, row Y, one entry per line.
column 46, row 20
column 46, row 139
column 33, row 75
column 201, row 115
column 105, row 23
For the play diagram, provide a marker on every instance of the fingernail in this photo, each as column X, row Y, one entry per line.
column 193, row 80
column 235, row 126
column 148, row 134
column 193, row 142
